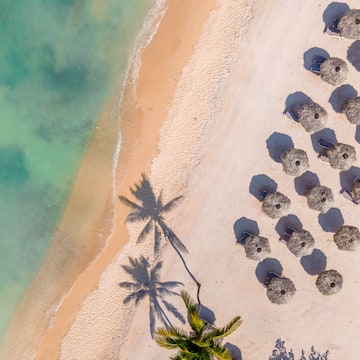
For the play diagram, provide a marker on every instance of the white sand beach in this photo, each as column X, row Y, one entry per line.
column 221, row 132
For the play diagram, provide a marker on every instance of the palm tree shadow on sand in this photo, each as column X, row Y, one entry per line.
column 147, row 284
column 152, row 209
column 280, row 352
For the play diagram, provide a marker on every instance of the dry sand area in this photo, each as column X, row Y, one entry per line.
column 217, row 147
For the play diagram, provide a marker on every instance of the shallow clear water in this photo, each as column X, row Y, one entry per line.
column 59, row 59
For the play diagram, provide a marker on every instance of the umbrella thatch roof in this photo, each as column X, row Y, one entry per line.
column 280, row 290
column 349, row 24
column 347, row 238
column 312, row 116
column 294, row 161
column 300, row 243
column 329, row 282
column 352, row 110
column 355, row 192
column 341, row 156
column 334, row 71
column 257, row 247
column 276, row 205
column 320, row 198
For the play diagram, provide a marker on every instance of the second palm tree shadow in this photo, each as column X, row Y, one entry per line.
column 146, row 283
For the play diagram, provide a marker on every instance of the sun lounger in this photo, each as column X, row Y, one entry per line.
column 347, row 195
column 271, row 275
column 333, row 32
column 326, row 144
column 243, row 237
column 356, row 179
column 318, row 59
column 263, row 194
column 292, row 115
column 315, row 68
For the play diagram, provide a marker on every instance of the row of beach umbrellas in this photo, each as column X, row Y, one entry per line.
column 280, row 289
column 301, row 242
column 295, row 162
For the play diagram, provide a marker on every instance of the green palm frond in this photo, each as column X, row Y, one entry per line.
column 220, row 352
column 172, row 332
column 226, row 330
column 195, row 321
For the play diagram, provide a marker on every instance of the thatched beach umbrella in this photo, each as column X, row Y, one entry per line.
column 352, row 110
column 355, row 192
column 280, row 290
column 349, row 24
column 329, row 282
column 341, row 156
column 320, row 198
column 276, row 205
column 300, row 243
column 334, row 71
column 294, row 161
column 347, row 238
column 257, row 247
column 312, row 116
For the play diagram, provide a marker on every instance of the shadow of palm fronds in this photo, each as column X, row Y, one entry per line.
column 152, row 210
column 147, row 284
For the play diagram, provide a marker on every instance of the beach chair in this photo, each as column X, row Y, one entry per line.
column 318, row 59
column 243, row 237
column 356, row 179
column 315, row 68
column 333, row 32
column 348, row 196
column 292, row 115
column 316, row 63
column 271, row 275
column 264, row 193
column 285, row 237
column 326, row 144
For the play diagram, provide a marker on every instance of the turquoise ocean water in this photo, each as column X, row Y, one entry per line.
column 58, row 62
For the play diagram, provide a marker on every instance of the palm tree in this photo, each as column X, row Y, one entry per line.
column 146, row 284
column 152, row 210
column 202, row 343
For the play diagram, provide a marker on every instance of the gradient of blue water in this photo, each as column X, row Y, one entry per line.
column 59, row 59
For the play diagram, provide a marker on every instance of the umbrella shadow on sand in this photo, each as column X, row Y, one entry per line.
column 331, row 220
column 266, row 266
column 328, row 134
column 340, row 96
column 353, row 55
column 333, row 12
column 245, row 225
column 234, row 351
column 277, row 143
column 260, row 183
column 347, row 178
column 311, row 53
column 295, row 99
column 314, row 263
column 289, row 221
column 357, row 134
column 305, row 182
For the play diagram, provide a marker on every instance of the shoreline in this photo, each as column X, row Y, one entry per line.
column 161, row 66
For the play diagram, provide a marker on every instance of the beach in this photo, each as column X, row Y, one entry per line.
column 204, row 119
